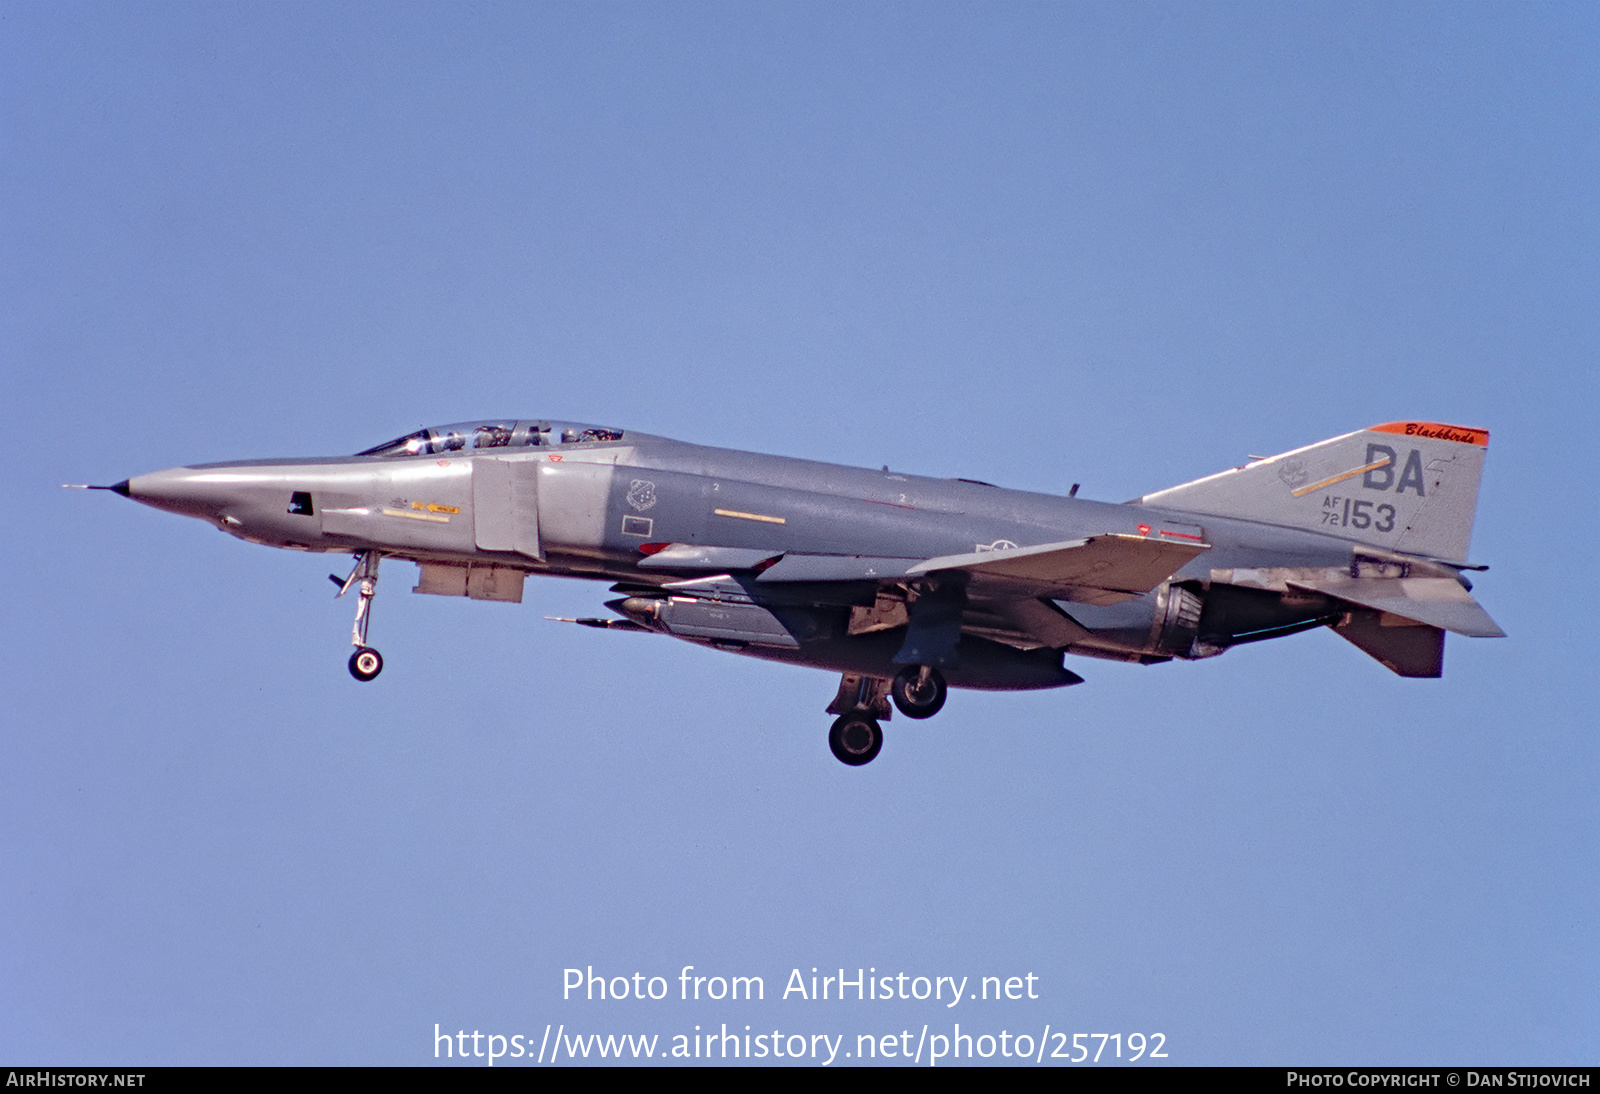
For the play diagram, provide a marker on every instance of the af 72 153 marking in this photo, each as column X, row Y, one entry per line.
column 1358, row 513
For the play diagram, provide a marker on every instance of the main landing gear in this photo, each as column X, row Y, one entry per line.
column 863, row 702
column 919, row 691
column 366, row 662
column 856, row 739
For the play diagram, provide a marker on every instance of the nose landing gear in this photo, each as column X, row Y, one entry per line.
column 366, row 662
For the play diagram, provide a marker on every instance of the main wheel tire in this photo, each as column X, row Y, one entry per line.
column 855, row 739
column 914, row 701
column 366, row 663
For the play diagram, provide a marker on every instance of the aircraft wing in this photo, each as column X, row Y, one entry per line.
column 1435, row 601
column 1104, row 569
column 1004, row 596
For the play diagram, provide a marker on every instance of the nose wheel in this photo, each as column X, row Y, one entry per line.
column 366, row 662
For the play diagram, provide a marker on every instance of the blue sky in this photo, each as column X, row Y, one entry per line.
column 1121, row 245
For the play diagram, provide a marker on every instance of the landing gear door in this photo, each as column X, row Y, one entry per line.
column 505, row 506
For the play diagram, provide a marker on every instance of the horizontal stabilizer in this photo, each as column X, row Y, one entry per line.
column 1105, row 569
column 1435, row 601
column 1412, row 651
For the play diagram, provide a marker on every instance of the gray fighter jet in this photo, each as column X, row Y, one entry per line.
column 904, row 585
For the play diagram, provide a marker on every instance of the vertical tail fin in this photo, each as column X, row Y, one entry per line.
column 1403, row 486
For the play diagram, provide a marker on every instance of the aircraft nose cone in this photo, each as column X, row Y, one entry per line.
column 185, row 490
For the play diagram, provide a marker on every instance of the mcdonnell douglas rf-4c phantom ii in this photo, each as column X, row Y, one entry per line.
column 905, row 585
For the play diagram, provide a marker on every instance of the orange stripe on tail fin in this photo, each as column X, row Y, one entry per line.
column 1436, row 431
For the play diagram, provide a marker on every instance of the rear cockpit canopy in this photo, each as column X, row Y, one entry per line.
column 477, row 436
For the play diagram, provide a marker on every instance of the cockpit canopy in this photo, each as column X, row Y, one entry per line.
column 474, row 436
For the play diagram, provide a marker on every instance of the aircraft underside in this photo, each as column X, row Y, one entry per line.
column 890, row 655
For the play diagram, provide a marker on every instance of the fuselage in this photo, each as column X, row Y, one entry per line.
column 575, row 500
column 903, row 584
